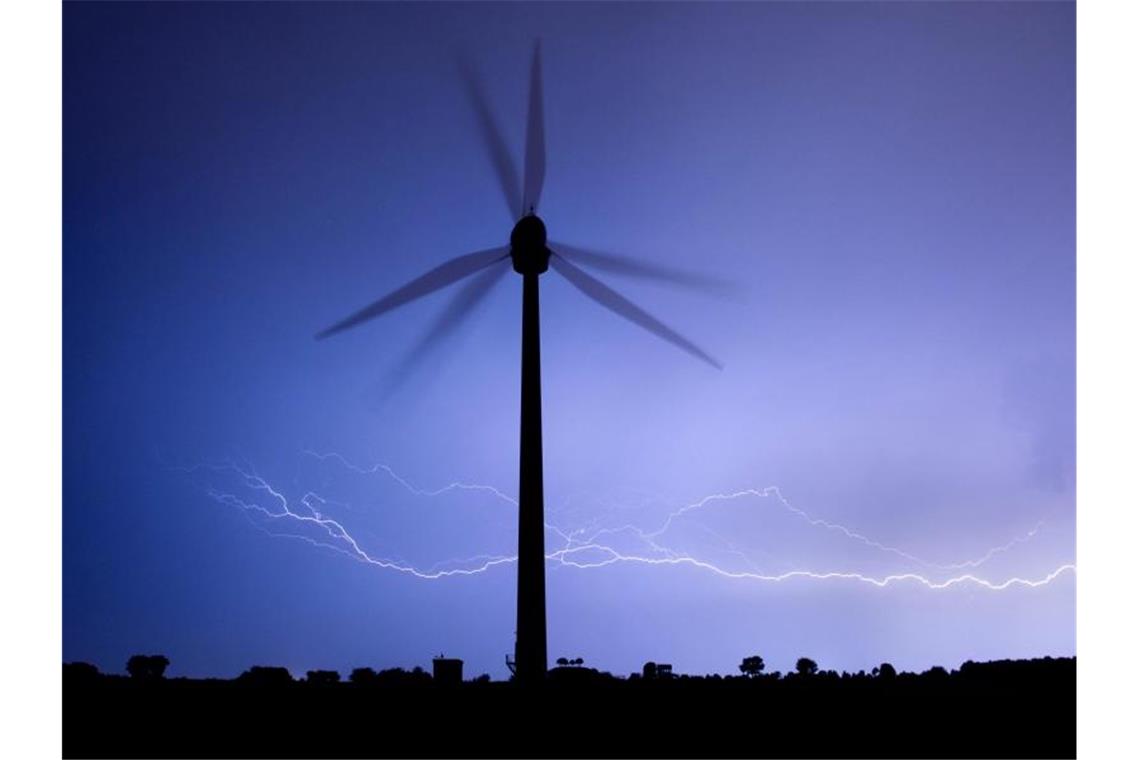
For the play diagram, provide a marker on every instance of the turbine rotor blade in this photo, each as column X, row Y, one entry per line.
column 493, row 140
column 461, row 304
column 534, row 168
column 630, row 267
column 440, row 277
column 623, row 307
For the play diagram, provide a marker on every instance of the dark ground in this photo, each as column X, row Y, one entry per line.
column 1023, row 708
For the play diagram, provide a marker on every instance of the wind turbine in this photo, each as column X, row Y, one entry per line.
column 530, row 256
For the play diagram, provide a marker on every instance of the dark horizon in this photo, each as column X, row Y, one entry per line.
column 80, row 669
column 1016, row 708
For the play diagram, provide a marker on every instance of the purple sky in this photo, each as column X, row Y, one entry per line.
column 891, row 186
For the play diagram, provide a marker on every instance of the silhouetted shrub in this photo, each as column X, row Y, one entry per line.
column 263, row 675
column 362, row 676
column 144, row 667
column 886, row 671
column 396, row 677
column 806, row 666
column 323, row 677
column 80, row 672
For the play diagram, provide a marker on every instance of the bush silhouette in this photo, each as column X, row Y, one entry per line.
column 145, row 667
column 322, row 677
column 362, row 676
column 394, row 677
column 886, row 671
column 82, row 672
column 262, row 675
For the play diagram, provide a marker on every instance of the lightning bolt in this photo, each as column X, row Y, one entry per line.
column 581, row 548
column 854, row 535
column 649, row 536
column 455, row 486
column 332, row 528
column 881, row 582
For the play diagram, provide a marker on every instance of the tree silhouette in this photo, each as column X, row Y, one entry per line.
column 806, row 666
column 752, row 666
column 562, row 662
column 143, row 667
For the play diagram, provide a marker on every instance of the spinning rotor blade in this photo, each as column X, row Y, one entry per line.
column 461, row 304
column 497, row 149
column 630, row 267
column 534, row 168
column 623, row 307
column 442, row 276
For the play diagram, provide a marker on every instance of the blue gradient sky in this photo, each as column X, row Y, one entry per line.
column 891, row 186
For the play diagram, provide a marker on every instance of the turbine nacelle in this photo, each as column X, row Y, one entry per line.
column 529, row 253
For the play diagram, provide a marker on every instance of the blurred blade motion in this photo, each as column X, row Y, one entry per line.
column 440, row 277
column 534, row 167
column 460, row 306
column 631, row 267
column 493, row 140
column 623, row 307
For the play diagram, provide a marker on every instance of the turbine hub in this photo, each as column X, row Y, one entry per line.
column 528, row 246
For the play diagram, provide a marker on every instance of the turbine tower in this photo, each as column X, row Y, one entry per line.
column 530, row 256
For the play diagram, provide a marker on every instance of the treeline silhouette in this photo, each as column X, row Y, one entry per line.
column 1005, row 708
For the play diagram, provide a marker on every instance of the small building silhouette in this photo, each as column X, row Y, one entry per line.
column 447, row 670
